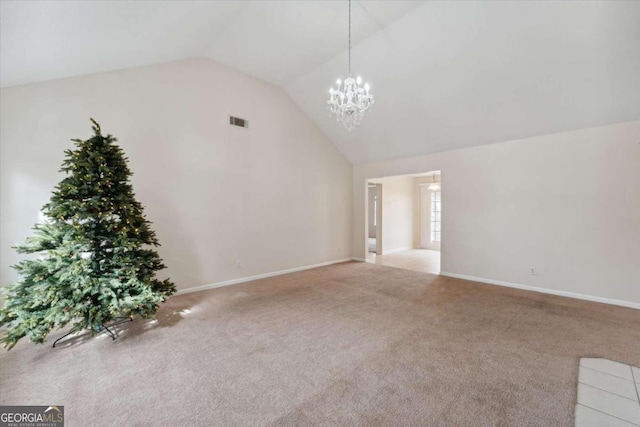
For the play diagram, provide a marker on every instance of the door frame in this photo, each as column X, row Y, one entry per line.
column 378, row 215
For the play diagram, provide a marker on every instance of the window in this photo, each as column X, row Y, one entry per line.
column 435, row 216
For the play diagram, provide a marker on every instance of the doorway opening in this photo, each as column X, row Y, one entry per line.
column 408, row 208
column 374, row 217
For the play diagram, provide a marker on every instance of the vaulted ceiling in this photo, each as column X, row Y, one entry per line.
column 276, row 41
column 445, row 75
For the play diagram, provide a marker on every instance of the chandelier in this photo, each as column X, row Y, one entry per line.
column 350, row 100
column 435, row 185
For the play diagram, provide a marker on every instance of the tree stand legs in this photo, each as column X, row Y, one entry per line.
column 103, row 328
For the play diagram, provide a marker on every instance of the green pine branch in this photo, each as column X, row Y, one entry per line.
column 96, row 259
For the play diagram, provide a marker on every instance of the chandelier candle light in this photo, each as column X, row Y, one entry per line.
column 350, row 100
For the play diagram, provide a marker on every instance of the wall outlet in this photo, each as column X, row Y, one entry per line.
column 533, row 271
column 238, row 264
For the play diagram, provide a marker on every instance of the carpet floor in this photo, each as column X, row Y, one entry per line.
column 348, row 344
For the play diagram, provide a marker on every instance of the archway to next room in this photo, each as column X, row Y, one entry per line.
column 404, row 221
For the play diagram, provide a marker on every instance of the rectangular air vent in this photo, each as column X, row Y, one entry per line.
column 236, row 121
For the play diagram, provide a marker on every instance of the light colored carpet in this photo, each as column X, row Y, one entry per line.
column 348, row 344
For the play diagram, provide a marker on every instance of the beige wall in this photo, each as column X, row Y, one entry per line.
column 397, row 213
column 274, row 196
column 567, row 204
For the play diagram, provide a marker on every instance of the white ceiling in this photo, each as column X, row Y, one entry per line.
column 272, row 40
column 278, row 41
column 458, row 74
column 445, row 74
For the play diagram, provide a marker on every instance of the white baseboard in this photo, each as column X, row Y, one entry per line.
column 358, row 259
column 256, row 277
column 611, row 301
column 392, row 251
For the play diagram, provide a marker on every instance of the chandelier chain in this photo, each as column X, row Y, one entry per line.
column 349, row 37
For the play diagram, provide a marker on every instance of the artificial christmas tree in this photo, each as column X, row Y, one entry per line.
column 96, row 263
